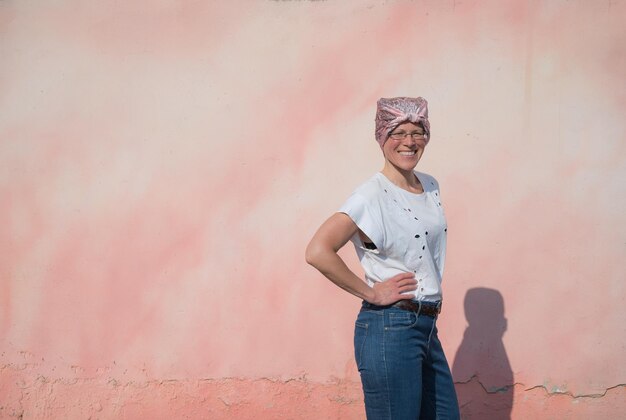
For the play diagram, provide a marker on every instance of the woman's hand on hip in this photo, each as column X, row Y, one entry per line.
column 390, row 291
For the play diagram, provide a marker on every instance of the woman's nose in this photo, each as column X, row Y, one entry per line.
column 408, row 139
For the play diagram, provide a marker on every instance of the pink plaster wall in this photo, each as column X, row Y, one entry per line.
column 163, row 164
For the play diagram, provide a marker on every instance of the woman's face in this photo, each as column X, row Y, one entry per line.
column 404, row 151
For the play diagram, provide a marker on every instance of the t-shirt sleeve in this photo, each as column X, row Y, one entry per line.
column 366, row 215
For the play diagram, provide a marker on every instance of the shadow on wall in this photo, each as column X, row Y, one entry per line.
column 481, row 368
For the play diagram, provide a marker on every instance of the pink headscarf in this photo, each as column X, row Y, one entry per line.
column 391, row 112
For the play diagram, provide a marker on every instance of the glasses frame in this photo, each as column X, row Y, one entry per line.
column 402, row 135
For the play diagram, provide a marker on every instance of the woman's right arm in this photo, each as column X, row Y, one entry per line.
column 321, row 253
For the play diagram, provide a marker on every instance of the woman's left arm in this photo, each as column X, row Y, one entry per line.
column 321, row 253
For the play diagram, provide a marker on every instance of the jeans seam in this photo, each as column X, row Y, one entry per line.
column 388, row 399
column 431, row 335
column 359, row 362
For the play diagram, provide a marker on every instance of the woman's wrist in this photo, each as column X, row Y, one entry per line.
column 369, row 295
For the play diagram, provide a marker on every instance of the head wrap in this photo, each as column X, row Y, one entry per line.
column 391, row 112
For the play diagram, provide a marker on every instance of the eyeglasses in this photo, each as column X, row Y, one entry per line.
column 400, row 135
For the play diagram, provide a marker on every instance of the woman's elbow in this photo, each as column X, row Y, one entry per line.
column 313, row 254
column 309, row 255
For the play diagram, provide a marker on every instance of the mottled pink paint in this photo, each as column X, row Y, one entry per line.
column 162, row 167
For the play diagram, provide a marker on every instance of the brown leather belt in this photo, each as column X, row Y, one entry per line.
column 423, row 308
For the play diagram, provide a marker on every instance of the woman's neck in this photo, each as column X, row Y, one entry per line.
column 403, row 179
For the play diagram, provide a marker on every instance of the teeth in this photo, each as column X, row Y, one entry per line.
column 407, row 153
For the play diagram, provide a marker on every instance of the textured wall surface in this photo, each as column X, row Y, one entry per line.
column 163, row 165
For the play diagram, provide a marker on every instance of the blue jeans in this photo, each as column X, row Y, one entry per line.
column 403, row 370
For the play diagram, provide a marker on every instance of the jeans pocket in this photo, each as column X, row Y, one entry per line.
column 401, row 320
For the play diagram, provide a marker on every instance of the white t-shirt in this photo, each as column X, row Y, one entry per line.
column 408, row 230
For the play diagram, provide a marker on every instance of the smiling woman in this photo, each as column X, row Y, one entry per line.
column 397, row 225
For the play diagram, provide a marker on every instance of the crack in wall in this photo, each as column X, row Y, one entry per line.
column 549, row 393
column 498, row 390
column 576, row 396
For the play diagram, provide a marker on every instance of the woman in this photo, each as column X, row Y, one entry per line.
column 397, row 225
